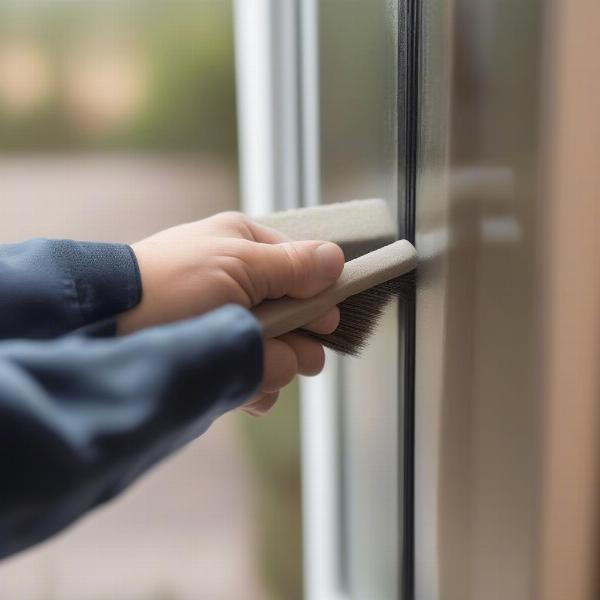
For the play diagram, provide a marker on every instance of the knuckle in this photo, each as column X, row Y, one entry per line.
column 296, row 263
column 238, row 267
column 234, row 220
column 229, row 288
column 230, row 216
column 236, row 223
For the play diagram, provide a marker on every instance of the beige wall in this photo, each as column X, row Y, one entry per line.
column 571, row 455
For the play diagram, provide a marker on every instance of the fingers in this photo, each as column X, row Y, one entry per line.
column 284, row 358
column 310, row 356
column 274, row 267
column 261, row 404
column 327, row 323
column 277, row 266
column 287, row 356
column 280, row 365
column 297, row 269
column 266, row 235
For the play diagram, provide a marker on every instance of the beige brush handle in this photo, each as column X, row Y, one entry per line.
column 286, row 314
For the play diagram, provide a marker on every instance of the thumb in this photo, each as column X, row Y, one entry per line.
column 297, row 269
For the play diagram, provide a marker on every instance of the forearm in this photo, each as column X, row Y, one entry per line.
column 80, row 419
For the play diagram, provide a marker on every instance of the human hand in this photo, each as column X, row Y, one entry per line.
column 193, row 268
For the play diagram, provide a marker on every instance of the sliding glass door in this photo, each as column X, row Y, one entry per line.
column 427, row 460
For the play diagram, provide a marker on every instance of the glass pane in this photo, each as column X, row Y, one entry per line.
column 479, row 210
column 358, row 63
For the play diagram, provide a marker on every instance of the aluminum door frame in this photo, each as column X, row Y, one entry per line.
column 278, row 131
column 278, row 98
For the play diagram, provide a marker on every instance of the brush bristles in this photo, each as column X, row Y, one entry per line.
column 360, row 314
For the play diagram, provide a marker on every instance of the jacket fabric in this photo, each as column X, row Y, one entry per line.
column 84, row 413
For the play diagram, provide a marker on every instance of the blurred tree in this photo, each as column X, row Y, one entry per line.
column 136, row 75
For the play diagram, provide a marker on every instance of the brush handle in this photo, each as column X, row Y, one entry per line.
column 286, row 314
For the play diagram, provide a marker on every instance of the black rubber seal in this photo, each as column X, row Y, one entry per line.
column 409, row 34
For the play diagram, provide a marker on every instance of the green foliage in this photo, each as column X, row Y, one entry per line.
column 185, row 48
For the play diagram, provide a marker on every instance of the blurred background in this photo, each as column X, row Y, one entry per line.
column 117, row 119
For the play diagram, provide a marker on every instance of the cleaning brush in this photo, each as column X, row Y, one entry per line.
column 365, row 286
column 359, row 315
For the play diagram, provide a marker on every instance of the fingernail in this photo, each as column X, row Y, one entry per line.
column 331, row 260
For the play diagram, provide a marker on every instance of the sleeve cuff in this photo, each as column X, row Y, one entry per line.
column 106, row 277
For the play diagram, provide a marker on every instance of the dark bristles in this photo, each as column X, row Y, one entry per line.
column 360, row 314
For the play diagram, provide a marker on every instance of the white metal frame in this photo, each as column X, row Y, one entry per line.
column 321, row 500
column 278, row 129
column 255, row 105
column 267, row 92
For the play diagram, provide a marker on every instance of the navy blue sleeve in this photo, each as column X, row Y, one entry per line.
column 51, row 287
column 82, row 417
